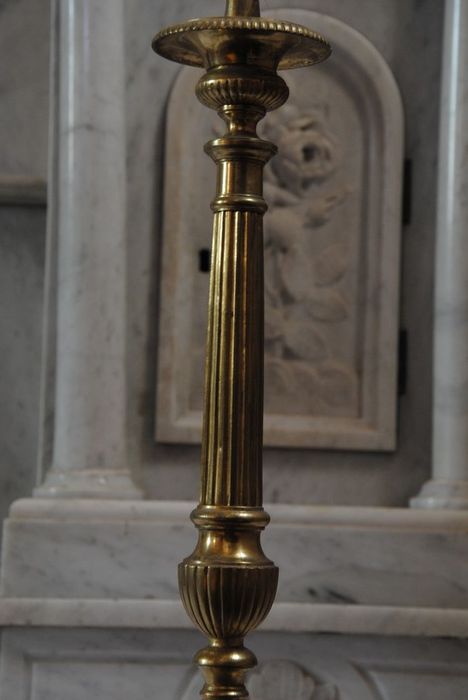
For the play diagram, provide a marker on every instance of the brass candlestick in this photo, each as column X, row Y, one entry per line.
column 228, row 585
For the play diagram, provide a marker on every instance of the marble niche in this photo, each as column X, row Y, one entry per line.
column 332, row 238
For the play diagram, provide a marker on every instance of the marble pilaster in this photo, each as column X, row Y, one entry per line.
column 89, row 457
column 448, row 487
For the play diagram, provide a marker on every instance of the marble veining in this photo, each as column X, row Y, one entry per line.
column 333, row 556
column 297, row 618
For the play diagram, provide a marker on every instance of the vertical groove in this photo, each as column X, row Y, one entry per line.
column 232, row 435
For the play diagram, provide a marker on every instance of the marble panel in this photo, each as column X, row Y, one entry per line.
column 76, row 664
column 49, row 664
column 331, row 253
column 73, row 680
column 408, row 680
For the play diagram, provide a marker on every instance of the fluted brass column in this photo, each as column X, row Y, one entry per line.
column 228, row 585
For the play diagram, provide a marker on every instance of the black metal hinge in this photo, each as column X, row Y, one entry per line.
column 204, row 260
column 406, row 205
column 402, row 362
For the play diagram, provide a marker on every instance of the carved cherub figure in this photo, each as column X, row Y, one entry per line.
column 302, row 287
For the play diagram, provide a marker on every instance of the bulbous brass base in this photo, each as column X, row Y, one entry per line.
column 227, row 587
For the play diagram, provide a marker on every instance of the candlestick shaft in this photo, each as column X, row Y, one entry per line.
column 228, row 584
column 242, row 8
column 233, row 416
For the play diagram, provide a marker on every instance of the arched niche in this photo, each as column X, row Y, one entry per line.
column 332, row 243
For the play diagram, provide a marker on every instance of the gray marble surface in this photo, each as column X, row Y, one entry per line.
column 24, row 87
column 22, row 237
column 24, row 84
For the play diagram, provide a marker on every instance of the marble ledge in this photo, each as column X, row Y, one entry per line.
column 66, row 549
column 284, row 617
column 70, row 510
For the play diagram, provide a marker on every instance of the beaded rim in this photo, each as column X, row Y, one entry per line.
column 253, row 24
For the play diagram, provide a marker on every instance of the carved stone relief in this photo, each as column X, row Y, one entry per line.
column 413, row 679
column 331, row 253
column 307, row 307
column 278, row 679
column 285, row 680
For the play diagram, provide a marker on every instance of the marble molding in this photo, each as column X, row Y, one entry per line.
column 86, row 261
column 448, row 487
column 296, row 618
column 78, row 549
column 331, row 254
